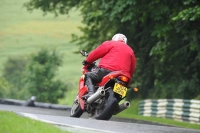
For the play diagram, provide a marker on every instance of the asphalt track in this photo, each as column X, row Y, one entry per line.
column 85, row 124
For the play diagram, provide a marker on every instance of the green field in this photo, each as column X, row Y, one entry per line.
column 23, row 33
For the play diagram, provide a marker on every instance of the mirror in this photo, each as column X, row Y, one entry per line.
column 84, row 53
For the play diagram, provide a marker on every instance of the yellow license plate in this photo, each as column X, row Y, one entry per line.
column 119, row 89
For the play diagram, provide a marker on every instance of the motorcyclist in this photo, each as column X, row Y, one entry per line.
column 114, row 55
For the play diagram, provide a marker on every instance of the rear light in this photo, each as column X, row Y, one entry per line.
column 135, row 89
column 123, row 78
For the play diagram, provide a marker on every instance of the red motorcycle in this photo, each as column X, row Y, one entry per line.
column 104, row 103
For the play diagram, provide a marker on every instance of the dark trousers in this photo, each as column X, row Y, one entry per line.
column 95, row 76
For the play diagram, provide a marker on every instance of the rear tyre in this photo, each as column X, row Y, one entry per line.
column 106, row 110
column 76, row 110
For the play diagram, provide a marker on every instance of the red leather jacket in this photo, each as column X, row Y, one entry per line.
column 115, row 56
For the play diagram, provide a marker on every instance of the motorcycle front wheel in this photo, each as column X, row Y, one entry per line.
column 76, row 110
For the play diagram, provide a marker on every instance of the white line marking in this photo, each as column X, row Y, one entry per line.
column 32, row 116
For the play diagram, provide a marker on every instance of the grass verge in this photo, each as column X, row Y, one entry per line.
column 12, row 123
column 132, row 113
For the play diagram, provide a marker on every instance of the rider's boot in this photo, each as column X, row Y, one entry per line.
column 91, row 90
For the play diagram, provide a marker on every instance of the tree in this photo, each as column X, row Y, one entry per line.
column 5, row 88
column 164, row 34
column 13, row 75
column 41, row 76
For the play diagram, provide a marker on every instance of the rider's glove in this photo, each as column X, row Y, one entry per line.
column 84, row 62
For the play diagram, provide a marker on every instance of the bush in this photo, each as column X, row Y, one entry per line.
column 41, row 74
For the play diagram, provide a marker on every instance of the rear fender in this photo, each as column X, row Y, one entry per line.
column 113, row 75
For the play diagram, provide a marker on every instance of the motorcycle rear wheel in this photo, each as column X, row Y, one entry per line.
column 76, row 110
column 105, row 111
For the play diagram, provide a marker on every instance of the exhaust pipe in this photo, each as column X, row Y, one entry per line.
column 95, row 96
column 122, row 107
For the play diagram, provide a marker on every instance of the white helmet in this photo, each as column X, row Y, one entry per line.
column 119, row 37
